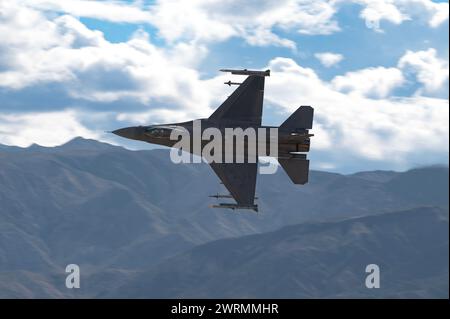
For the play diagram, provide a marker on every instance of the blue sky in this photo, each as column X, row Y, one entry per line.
column 376, row 72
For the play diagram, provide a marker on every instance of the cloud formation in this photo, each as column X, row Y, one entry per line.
column 43, row 128
column 37, row 50
column 328, row 59
column 398, row 11
column 429, row 70
column 355, row 124
column 46, row 48
column 371, row 82
column 217, row 20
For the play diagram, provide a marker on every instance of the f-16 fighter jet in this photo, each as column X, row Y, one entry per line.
column 241, row 110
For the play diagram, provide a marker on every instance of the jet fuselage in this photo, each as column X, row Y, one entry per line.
column 287, row 141
column 234, row 131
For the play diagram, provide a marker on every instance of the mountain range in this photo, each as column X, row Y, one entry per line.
column 140, row 226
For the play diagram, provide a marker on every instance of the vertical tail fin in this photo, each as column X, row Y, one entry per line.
column 302, row 118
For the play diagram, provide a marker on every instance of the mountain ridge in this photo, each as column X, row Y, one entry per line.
column 115, row 211
column 242, row 267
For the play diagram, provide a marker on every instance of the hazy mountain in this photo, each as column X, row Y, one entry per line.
column 312, row 260
column 115, row 211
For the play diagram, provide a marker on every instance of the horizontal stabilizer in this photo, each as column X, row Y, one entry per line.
column 300, row 119
column 296, row 168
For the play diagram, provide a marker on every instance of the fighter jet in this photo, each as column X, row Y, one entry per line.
column 243, row 109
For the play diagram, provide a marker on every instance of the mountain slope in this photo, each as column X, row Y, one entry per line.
column 318, row 260
column 115, row 211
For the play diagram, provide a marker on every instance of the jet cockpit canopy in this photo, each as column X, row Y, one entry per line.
column 161, row 131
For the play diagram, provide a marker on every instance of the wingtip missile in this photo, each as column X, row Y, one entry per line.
column 235, row 206
column 224, row 196
column 220, row 196
column 247, row 72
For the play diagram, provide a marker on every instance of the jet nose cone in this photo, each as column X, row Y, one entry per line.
column 128, row 132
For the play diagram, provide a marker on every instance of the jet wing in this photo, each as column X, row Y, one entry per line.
column 244, row 105
column 239, row 179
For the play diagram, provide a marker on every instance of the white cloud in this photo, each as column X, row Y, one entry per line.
column 391, row 129
column 204, row 21
column 92, row 68
column 376, row 11
column 38, row 50
column 374, row 82
column 154, row 116
column 398, row 11
column 264, row 37
column 440, row 14
column 45, row 128
column 429, row 70
column 114, row 11
column 219, row 20
column 329, row 59
column 209, row 20
column 354, row 112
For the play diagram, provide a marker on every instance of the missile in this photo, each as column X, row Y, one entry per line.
column 220, row 196
column 232, row 83
column 247, row 72
column 223, row 196
column 235, row 206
